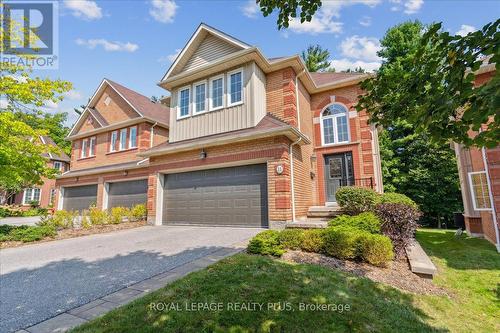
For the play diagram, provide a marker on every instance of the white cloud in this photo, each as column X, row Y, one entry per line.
column 345, row 64
column 73, row 95
column 4, row 103
column 170, row 57
column 465, row 30
column 363, row 48
column 413, row 6
column 85, row 9
column 163, row 10
column 251, row 9
column 365, row 21
column 326, row 18
column 108, row 45
column 49, row 104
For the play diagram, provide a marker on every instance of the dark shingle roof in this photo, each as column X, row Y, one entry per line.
column 58, row 157
column 330, row 77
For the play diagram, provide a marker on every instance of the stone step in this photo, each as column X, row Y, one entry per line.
column 323, row 211
column 308, row 224
column 420, row 263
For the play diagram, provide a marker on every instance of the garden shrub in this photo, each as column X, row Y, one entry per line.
column 97, row 216
column 26, row 233
column 61, row 219
column 291, row 238
column 342, row 242
column 313, row 240
column 85, row 221
column 397, row 198
column 118, row 214
column 366, row 221
column 375, row 249
column 138, row 212
column 266, row 242
column 356, row 200
column 399, row 223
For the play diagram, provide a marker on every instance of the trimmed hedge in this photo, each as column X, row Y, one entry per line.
column 342, row 242
column 367, row 221
column 291, row 238
column 313, row 240
column 375, row 249
column 397, row 198
column 355, row 200
column 267, row 243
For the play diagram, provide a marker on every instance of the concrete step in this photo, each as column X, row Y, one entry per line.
column 308, row 224
column 420, row 263
column 323, row 211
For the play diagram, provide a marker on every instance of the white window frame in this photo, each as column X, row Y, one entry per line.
column 112, row 143
column 123, row 145
column 335, row 128
column 471, row 189
column 130, row 146
column 27, row 202
column 188, row 88
column 228, row 88
column 83, row 152
column 58, row 163
column 196, row 84
column 210, row 106
column 92, row 150
column 107, row 100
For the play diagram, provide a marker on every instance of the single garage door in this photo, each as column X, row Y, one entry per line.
column 234, row 196
column 128, row 194
column 79, row 197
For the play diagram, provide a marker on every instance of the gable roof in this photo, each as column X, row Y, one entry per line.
column 47, row 140
column 196, row 39
column 321, row 78
column 141, row 104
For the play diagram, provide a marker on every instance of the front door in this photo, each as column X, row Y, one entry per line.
column 338, row 172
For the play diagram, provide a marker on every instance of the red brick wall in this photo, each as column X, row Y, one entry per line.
column 280, row 95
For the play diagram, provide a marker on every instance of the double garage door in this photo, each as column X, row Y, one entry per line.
column 120, row 194
column 235, row 196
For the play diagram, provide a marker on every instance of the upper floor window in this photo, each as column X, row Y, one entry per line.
column 92, row 146
column 112, row 143
column 31, row 195
column 184, row 102
column 132, row 140
column 217, row 93
column 123, row 139
column 58, row 165
column 334, row 124
column 479, row 190
column 107, row 100
column 83, row 152
column 199, row 97
column 235, row 87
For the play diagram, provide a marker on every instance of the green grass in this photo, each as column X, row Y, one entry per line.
column 468, row 268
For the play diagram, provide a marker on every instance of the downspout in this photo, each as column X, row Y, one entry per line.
column 152, row 135
column 290, row 154
column 492, row 201
column 297, row 96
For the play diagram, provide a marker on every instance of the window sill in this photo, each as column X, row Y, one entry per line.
column 86, row 158
column 235, row 104
column 120, row 151
column 338, row 144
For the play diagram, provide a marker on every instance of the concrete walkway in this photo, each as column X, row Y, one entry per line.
column 42, row 281
column 27, row 220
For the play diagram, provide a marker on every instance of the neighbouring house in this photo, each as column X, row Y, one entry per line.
column 42, row 195
column 244, row 140
column 479, row 172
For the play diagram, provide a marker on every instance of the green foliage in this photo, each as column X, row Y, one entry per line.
column 97, row 216
column 61, row 219
column 375, row 249
column 313, row 240
column 423, row 170
column 287, row 9
column 118, row 214
column 355, row 200
column 266, row 243
column 342, row 242
column 427, row 80
column 391, row 197
column 12, row 211
column 316, row 58
column 366, row 221
column 138, row 212
column 25, row 233
column 291, row 238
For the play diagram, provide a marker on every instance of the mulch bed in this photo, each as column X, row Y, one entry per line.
column 397, row 275
column 72, row 233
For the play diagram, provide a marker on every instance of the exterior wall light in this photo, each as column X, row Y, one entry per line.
column 203, row 154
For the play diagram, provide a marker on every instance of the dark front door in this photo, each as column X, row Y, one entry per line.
column 338, row 172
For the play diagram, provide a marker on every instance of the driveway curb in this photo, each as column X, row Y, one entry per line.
column 84, row 313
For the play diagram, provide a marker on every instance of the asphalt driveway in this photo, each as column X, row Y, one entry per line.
column 40, row 281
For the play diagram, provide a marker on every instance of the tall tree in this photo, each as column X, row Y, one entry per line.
column 428, row 80
column 288, row 9
column 316, row 58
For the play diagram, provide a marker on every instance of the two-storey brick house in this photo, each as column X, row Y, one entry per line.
column 254, row 141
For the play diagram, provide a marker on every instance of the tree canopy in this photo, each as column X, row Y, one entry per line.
column 288, row 9
column 316, row 58
column 427, row 79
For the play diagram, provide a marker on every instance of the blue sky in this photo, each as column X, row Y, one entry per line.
column 134, row 42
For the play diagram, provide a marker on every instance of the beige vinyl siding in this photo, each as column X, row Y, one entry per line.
column 210, row 49
column 226, row 119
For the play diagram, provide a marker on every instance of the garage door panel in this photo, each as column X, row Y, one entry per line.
column 79, row 198
column 128, row 194
column 225, row 196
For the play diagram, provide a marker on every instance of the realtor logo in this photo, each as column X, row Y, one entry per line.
column 29, row 33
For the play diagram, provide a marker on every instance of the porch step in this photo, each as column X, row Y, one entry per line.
column 324, row 211
column 316, row 223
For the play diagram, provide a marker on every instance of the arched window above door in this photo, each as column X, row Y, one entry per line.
column 334, row 124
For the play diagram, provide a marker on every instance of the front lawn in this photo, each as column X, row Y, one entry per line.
column 469, row 269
